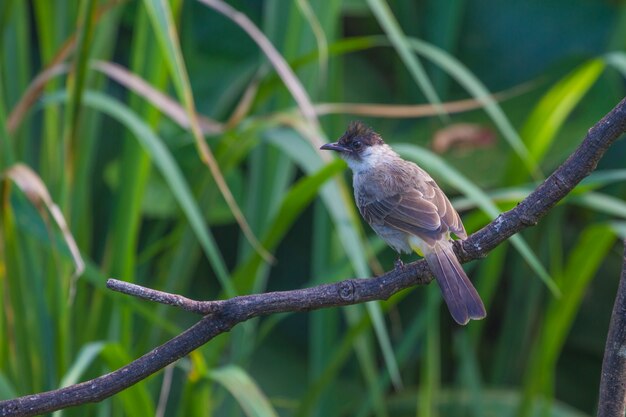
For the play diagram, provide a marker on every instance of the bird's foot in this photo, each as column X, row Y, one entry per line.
column 398, row 264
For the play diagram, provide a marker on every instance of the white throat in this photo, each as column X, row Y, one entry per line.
column 371, row 157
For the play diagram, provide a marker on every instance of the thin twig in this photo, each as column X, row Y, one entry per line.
column 199, row 307
column 227, row 313
column 612, row 398
column 415, row 110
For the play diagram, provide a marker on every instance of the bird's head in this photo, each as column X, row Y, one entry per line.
column 359, row 146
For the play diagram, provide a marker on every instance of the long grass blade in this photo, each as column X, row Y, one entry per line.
column 400, row 42
column 619, row 228
column 136, row 400
column 472, row 84
column 594, row 181
column 161, row 101
column 36, row 86
column 165, row 31
column 276, row 59
column 171, row 172
column 617, row 60
column 320, row 37
column 601, row 203
column 293, row 203
column 83, row 360
column 6, row 149
column 75, row 87
column 36, row 191
column 539, row 131
column 430, row 374
column 583, row 263
column 6, row 389
column 252, row 400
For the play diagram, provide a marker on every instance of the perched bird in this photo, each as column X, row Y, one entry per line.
column 406, row 208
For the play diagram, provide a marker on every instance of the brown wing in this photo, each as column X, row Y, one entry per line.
column 425, row 212
column 448, row 214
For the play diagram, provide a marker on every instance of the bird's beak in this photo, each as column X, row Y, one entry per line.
column 335, row 146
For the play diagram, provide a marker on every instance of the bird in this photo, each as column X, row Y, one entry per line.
column 410, row 212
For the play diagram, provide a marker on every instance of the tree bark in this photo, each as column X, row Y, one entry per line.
column 612, row 398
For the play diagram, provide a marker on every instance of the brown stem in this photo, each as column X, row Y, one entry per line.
column 612, row 398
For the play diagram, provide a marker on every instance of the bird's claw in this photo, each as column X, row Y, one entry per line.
column 398, row 264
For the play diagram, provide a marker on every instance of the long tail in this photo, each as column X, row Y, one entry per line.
column 460, row 295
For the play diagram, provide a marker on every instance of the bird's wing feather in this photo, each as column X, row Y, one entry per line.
column 448, row 214
column 409, row 212
column 426, row 213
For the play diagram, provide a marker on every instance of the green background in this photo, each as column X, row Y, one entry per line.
column 142, row 207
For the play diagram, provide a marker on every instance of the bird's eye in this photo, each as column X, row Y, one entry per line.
column 356, row 145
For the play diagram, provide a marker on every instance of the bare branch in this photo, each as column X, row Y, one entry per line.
column 199, row 307
column 401, row 111
column 612, row 398
column 222, row 315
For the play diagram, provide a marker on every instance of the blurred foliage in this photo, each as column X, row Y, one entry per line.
column 118, row 151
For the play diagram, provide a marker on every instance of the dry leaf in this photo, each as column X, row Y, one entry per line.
column 463, row 136
column 37, row 193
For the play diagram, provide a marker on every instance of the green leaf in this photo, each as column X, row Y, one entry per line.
column 163, row 22
column 76, row 80
column 135, row 400
column 556, row 105
column 583, row 263
column 169, row 169
column 469, row 372
column 83, row 360
column 340, row 355
column 539, row 131
column 6, row 150
column 580, row 195
column 400, row 42
column 619, row 228
column 247, row 393
column 617, row 60
column 494, row 401
column 6, row 388
column 430, row 373
column 600, row 202
column 472, row 84
column 406, row 348
column 167, row 36
column 293, row 203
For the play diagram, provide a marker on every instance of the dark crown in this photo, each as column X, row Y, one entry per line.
column 357, row 129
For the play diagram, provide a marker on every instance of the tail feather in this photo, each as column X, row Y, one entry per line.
column 460, row 295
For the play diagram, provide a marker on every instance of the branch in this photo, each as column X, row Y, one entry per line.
column 222, row 315
column 612, row 398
